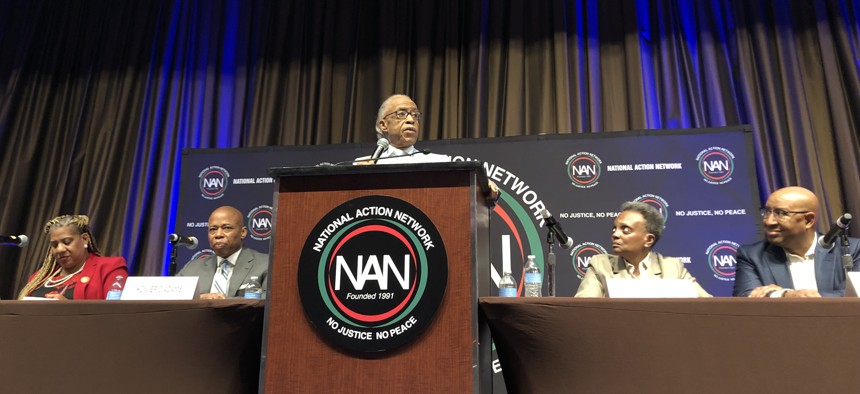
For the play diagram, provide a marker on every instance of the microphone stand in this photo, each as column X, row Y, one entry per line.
column 847, row 263
column 171, row 268
column 550, row 264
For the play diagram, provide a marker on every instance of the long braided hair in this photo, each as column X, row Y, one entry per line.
column 50, row 267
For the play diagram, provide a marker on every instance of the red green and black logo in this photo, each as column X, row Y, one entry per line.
column 372, row 274
column 213, row 182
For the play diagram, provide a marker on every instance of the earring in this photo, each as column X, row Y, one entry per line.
column 86, row 246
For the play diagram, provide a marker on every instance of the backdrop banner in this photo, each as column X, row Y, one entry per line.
column 702, row 180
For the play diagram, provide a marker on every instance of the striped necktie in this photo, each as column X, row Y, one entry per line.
column 221, row 277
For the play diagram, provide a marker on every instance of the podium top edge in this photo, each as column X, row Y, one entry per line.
column 477, row 167
column 382, row 168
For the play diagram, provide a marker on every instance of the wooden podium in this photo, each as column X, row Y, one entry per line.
column 451, row 354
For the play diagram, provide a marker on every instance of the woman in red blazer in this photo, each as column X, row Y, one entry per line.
column 74, row 267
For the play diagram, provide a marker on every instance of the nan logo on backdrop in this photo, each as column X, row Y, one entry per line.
column 716, row 165
column 372, row 274
column 722, row 260
column 584, row 169
column 581, row 256
column 656, row 202
column 259, row 222
column 213, row 182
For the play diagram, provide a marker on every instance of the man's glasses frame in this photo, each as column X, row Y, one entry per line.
column 779, row 213
column 401, row 114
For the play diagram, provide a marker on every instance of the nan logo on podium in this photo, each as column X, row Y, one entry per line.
column 372, row 274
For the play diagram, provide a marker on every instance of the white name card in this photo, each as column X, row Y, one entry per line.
column 852, row 280
column 160, row 288
column 650, row 288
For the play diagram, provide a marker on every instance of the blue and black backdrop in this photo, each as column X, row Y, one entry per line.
column 701, row 180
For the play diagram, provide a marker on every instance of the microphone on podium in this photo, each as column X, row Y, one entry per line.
column 381, row 146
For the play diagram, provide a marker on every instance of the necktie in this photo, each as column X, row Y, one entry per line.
column 221, row 277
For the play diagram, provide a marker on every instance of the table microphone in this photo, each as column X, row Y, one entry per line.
column 563, row 240
column 841, row 224
column 14, row 240
column 189, row 242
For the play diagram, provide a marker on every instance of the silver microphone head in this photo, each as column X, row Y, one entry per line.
column 545, row 214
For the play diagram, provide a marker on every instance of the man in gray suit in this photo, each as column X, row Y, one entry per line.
column 636, row 230
column 222, row 275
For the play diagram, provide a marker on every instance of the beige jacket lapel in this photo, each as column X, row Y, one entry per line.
column 619, row 267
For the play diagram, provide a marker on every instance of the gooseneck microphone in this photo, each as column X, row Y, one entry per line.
column 14, row 240
column 841, row 224
column 563, row 240
column 381, row 146
column 189, row 242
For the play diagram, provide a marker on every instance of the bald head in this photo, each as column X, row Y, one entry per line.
column 228, row 212
column 791, row 225
column 800, row 199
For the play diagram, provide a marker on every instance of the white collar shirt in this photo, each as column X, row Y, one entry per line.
column 802, row 268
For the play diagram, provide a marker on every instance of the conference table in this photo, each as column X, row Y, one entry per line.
column 718, row 345
column 200, row 346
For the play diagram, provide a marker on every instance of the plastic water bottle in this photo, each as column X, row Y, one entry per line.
column 253, row 289
column 533, row 279
column 507, row 286
column 115, row 291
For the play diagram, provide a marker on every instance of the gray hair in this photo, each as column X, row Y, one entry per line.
column 381, row 112
column 654, row 221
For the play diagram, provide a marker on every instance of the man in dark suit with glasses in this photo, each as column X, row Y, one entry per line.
column 789, row 262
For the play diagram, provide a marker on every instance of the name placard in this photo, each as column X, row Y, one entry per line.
column 650, row 288
column 160, row 288
column 852, row 280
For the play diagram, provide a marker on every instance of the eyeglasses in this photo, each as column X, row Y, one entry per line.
column 780, row 214
column 402, row 114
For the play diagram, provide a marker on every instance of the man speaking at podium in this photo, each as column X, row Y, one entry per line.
column 223, row 274
column 398, row 124
column 790, row 262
